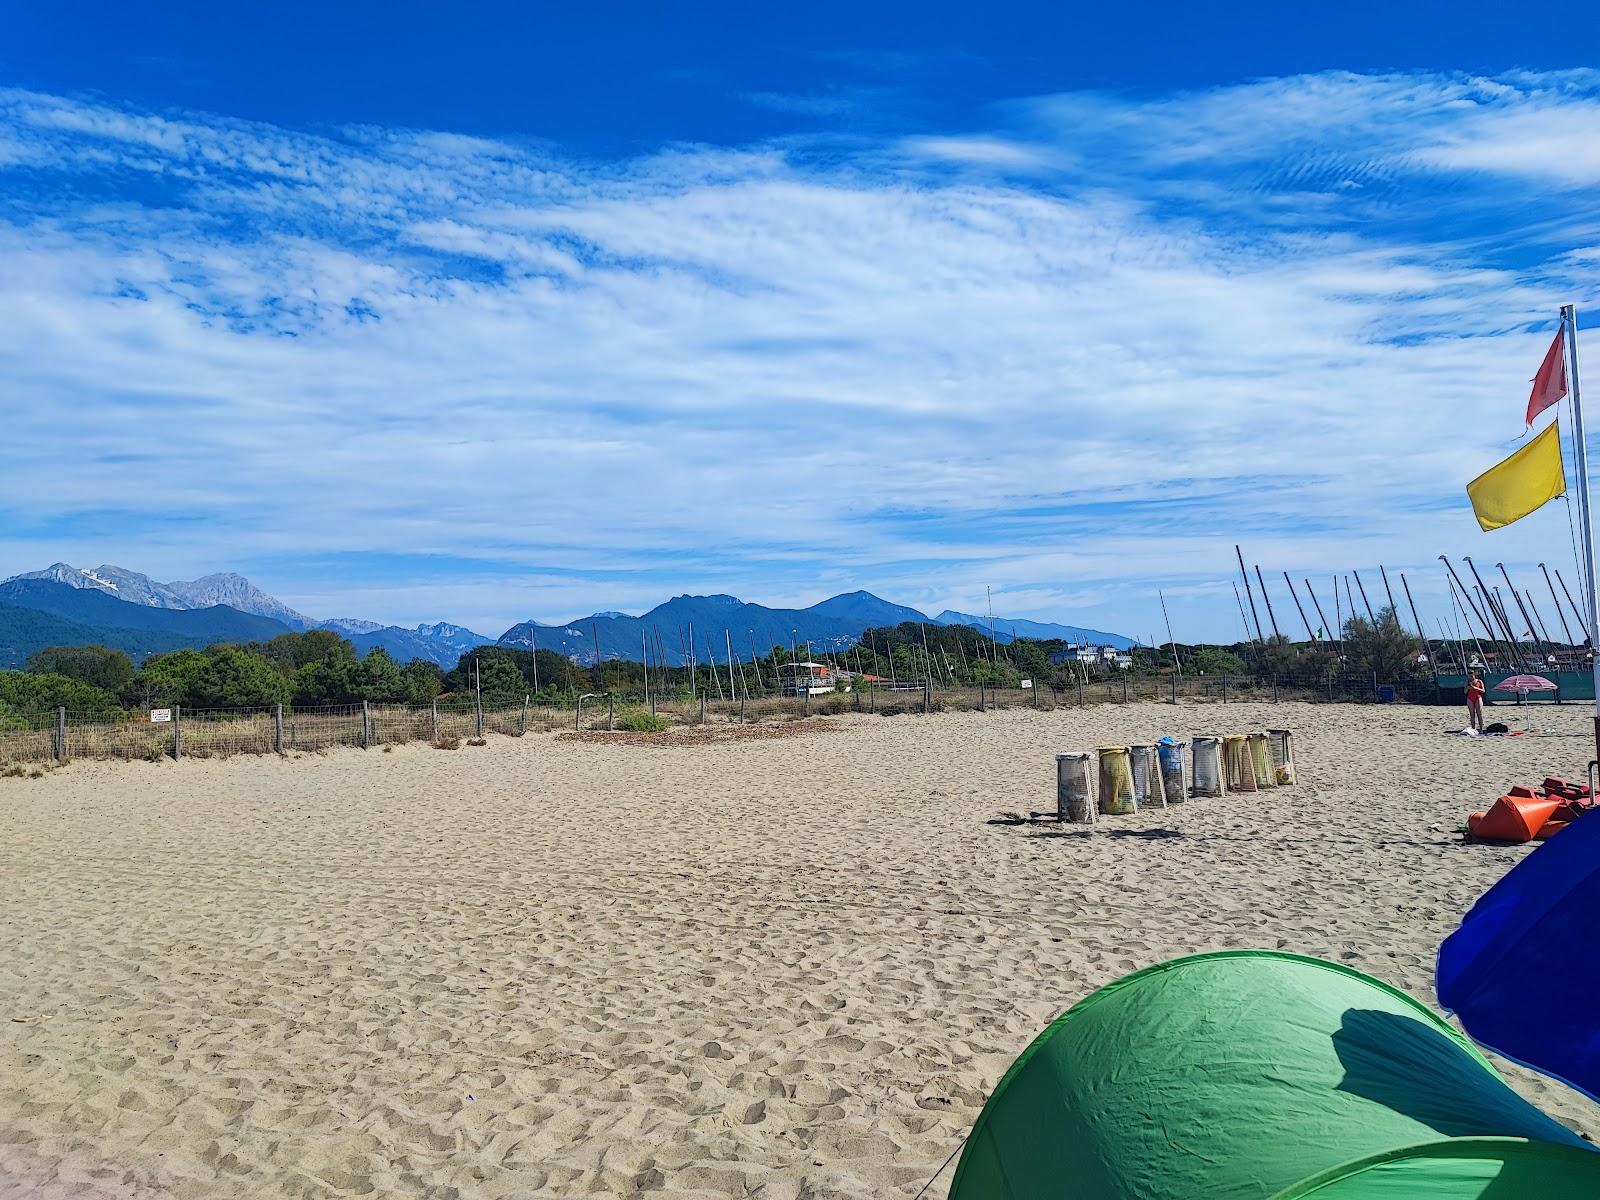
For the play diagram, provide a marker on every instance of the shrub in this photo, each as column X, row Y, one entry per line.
column 477, row 741
column 636, row 720
column 447, row 744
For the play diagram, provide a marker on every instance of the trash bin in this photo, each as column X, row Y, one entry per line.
column 1386, row 693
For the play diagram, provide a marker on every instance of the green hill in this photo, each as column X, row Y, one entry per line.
column 24, row 630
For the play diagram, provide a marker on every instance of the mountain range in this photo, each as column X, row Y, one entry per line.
column 717, row 622
column 442, row 643
column 235, row 591
column 1007, row 628
column 66, row 605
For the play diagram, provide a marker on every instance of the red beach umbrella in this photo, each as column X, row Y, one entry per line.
column 1523, row 684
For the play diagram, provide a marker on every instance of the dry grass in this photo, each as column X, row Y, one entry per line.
column 700, row 735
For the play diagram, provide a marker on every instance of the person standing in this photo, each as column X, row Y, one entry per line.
column 1475, row 702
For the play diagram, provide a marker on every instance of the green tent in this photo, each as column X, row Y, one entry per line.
column 1254, row 1074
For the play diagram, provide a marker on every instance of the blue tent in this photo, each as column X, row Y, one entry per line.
column 1523, row 973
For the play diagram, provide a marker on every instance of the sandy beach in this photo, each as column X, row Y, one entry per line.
column 786, row 967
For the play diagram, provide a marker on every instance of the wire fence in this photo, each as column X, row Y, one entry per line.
column 212, row 733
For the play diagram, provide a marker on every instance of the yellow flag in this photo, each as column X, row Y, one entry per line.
column 1510, row 490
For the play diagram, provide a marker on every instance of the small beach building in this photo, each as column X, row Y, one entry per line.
column 807, row 679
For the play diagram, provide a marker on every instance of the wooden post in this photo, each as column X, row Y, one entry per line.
column 366, row 725
column 742, row 697
column 434, row 714
column 1274, row 687
column 277, row 729
column 1124, row 687
column 702, row 706
column 611, row 711
column 927, row 697
column 177, row 732
column 1080, row 691
column 1374, row 685
column 1175, row 686
column 477, row 694
column 1035, row 690
column 524, row 712
column 1224, row 689
column 61, row 734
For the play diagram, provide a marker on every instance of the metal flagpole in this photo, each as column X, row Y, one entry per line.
column 1569, row 318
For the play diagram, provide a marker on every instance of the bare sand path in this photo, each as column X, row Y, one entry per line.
column 780, row 968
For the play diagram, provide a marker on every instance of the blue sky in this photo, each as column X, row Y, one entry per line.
column 495, row 312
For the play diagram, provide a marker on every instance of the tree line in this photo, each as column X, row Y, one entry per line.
column 319, row 667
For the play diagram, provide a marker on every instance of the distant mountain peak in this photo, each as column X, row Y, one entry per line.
column 228, row 588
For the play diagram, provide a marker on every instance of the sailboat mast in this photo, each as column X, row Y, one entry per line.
column 1267, row 600
column 1565, row 628
column 1176, row 665
column 1329, row 634
column 1249, row 595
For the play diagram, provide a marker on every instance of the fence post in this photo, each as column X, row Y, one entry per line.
column 742, row 700
column 1035, row 690
column 1174, row 679
column 433, row 713
column 702, row 708
column 872, row 700
column 1274, row 687
column 478, row 702
column 805, row 705
column 277, row 729
column 1374, row 685
column 611, row 711
column 1224, row 689
column 366, row 726
column 61, row 734
column 927, row 698
column 1124, row 688
column 177, row 732
column 524, row 712
column 1330, row 687
column 980, row 695
column 1080, row 691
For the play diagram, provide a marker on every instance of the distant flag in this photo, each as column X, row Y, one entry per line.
column 1550, row 384
column 1513, row 488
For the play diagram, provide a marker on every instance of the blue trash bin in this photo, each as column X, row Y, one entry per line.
column 1386, row 693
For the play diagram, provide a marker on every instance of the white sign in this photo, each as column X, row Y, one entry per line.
column 1027, row 683
column 158, row 715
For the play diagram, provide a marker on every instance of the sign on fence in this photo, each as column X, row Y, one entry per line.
column 1027, row 683
column 158, row 715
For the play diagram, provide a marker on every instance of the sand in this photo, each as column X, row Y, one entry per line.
column 783, row 968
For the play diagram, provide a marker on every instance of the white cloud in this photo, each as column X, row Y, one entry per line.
column 983, row 151
column 744, row 371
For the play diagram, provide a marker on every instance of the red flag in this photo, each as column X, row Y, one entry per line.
column 1550, row 384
